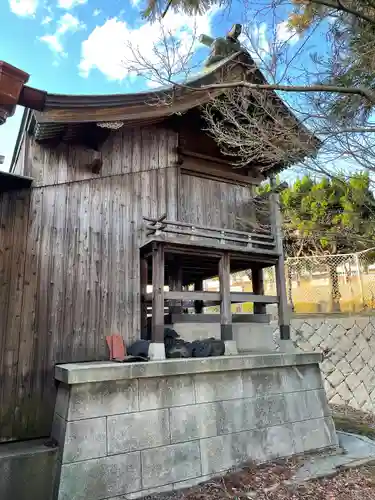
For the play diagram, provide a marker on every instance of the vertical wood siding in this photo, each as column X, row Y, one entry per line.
column 126, row 151
column 69, row 264
column 213, row 203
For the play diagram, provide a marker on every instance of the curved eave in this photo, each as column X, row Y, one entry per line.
column 142, row 108
column 164, row 101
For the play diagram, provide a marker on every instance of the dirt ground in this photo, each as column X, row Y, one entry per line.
column 272, row 481
column 269, row 482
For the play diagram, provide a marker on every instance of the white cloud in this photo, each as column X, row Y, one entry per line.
column 69, row 4
column 23, row 8
column 256, row 42
column 53, row 43
column 96, row 12
column 259, row 37
column 66, row 23
column 286, row 34
column 135, row 3
column 110, row 47
column 47, row 20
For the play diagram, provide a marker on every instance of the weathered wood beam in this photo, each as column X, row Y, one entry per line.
column 225, row 298
column 175, row 285
column 276, row 225
column 266, row 236
column 224, row 239
column 157, row 334
column 198, row 304
column 258, row 289
column 144, row 280
column 235, row 297
column 228, row 176
column 212, row 249
column 214, row 296
column 252, row 297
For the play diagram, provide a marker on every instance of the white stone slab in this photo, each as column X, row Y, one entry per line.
column 101, row 371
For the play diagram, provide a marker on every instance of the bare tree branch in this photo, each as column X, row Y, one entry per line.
column 367, row 93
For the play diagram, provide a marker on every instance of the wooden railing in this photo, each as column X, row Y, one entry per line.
column 214, row 297
column 219, row 236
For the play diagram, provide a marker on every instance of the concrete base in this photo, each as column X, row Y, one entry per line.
column 131, row 430
column 254, row 338
column 250, row 337
column 230, row 348
column 156, row 351
column 27, row 470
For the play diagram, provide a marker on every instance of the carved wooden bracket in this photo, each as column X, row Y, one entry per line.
column 96, row 165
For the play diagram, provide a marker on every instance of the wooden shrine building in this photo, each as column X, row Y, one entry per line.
column 106, row 195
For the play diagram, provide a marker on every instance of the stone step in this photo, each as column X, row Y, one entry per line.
column 27, row 470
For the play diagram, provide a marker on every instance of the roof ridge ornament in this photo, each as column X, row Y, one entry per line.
column 222, row 47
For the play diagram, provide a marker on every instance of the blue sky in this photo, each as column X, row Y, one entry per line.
column 81, row 46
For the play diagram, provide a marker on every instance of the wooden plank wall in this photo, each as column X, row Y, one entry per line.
column 215, row 203
column 69, row 267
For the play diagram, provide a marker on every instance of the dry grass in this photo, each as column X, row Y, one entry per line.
column 270, row 482
column 348, row 419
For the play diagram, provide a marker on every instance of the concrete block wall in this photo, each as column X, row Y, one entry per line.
column 123, row 439
column 348, row 345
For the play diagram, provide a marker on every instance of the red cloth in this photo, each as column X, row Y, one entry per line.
column 116, row 347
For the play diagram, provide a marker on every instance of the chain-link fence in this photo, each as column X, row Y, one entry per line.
column 332, row 283
column 319, row 284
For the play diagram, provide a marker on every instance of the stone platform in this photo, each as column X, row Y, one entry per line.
column 128, row 430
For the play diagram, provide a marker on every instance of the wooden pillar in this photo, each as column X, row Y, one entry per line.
column 198, row 304
column 175, row 285
column 157, row 334
column 144, row 280
column 276, row 224
column 225, row 302
column 258, row 288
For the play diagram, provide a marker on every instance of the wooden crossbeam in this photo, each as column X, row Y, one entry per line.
column 235, row 297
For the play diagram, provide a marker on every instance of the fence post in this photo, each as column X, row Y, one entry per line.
column 360, row 280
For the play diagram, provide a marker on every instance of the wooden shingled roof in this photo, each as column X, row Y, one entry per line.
column 79, row 118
